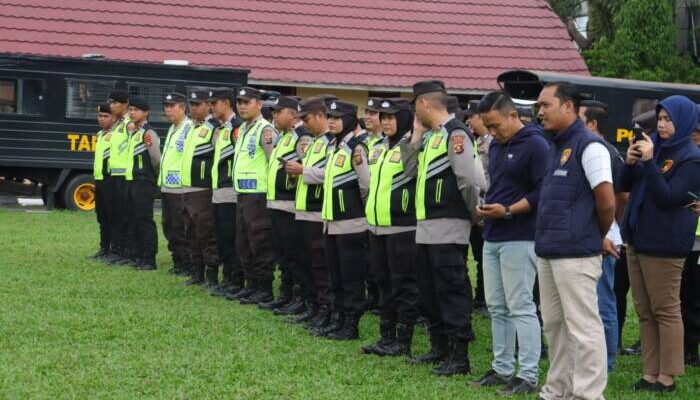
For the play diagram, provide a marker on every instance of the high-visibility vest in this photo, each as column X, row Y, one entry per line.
column 139, row 166
column 197, row 158
column 310, row 197
column 250, row 163
column 281, row 186
column 119, row 148
column 341, row 188
column 102, row 149
column 170, row 175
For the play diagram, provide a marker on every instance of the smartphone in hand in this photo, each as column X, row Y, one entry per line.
column 638, row 133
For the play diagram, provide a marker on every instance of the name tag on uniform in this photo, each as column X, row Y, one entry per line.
column 561, row 173
column 249, row 184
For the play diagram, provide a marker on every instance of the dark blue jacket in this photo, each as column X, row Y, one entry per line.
column 567, row 222
column 656, row 221
column 516, row 169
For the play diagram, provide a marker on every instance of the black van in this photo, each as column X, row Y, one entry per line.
column 48, row 115
column 626, row 99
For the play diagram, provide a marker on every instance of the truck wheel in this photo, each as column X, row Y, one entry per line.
column 79, row 193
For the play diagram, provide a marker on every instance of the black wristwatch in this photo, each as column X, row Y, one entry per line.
column 508, row 215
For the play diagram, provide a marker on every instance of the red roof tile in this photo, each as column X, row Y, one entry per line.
column 367, row 43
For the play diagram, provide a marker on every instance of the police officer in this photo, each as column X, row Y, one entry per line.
column 170, row 180
column 141, row 172
column 103, row 186
column 441, row 155
column 345, row 186
column 118, row 161
column 308, row 204
column 280, row 198
column 197, row 161
column 223, row 196
column 391, row 215
column 372, row 123
column 256, row 141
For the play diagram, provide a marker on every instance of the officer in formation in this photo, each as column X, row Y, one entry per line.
column 103, row 188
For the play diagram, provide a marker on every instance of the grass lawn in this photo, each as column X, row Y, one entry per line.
column 73, row 328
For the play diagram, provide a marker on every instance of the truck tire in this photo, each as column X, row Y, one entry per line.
column 78, row 193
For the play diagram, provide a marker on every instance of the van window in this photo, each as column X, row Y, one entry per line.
column 154, row 95
column 83, row 96
column 642, row 105
column 21, row 96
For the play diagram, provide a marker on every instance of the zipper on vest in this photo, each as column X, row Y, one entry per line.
column 341, row 201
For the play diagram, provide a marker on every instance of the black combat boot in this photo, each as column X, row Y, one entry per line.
column 387, row 336
column 147, row 263
column 263, row 295
column 321, row 319
column 336, row 322
column 306, row 316
column 402, row 345
column 438, row 351
column 283, row 299
column 248, row 290
column 196, row 275
column 349, row 331
column 458, row 360
column 211, row 276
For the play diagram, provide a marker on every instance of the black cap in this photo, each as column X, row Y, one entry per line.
column 327, row 98
column 247, row 93
column 339, row 108
column 140, row 103
column 104, row 108
column 594, row 103
column 472, row 108
column 312, row 104
column 221, row 93
column 452, row 104
column 374, row 103
column 393, row 105
column 424, row 87
column 285, row 102
column 198, row 96
column 119, row 96
column 174, row 97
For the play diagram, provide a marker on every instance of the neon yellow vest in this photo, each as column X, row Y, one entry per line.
column 173, row 151
column 372, row 140
column 386, row 178
column 119, row 146
column 250, row 165
column 697, row 230
column 310, row 198
column 285, row 149
column 199, row 142
column 102, row 149
column 223, row 150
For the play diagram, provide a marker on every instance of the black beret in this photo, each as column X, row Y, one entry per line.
column 175, row 97
column 247, row 93
column 424, row 87
column 286, row 102
column 339, row 108
column 140, row 103
column 104, row 108
column 312, row 104
column 119, row 96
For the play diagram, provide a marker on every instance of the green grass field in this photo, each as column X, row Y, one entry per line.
column 73, row 328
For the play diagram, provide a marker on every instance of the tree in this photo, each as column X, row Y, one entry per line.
column 642, row 46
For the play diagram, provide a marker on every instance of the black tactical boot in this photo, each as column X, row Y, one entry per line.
column 438, row 351
column 320, row 319
column 402, row 345
column 248, row 290
column 147, row 263
column 283, row 299
column 457, row 362
column 387, row 336
column 294, row 307
column 306, row 316
column 337, row 320
column 263, row 295
column 349, row 331
column 211, row 276
column 196, row 275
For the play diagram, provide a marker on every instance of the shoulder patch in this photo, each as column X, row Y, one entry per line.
column 267, row 137
column 357, row 156
column 668, row 164
column 457, row 144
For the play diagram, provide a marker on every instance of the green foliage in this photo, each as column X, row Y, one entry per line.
column 601, row 14
column 643, row 46
column 565, row 8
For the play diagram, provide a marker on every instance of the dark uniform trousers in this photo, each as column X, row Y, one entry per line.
column 690, row 302
column 140, row 196
column 200, row 228
column 311, row 262
column 119, row 217
column 225, row 214
column 394, row 262
column 477, row 245
column 621, row 287
column 174, row 227
column 104, row 197
column 346, row 257
column 445, row 290
column 254, row 239
column 285, row 234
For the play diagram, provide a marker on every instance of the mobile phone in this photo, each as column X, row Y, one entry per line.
column 693, row 195
column 638, row 133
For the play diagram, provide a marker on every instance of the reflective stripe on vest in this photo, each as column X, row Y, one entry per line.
column 285, row 149
column 102, row 151
column 315, row 157
column 171, row 160
column 223, row 153
column 250, row 163
column 119, row 146
column 387, row 182
column 697, row 230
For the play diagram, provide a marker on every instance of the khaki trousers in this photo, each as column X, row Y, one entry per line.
column 656, row 285
column 573, row 328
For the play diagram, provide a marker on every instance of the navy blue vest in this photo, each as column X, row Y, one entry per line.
column 567, row 225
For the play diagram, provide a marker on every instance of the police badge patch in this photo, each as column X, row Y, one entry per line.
column 565, row 155
column 667, row 166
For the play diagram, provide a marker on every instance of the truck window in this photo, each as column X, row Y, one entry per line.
column 21, row 96
column 83, row 96
column 154, row 95
column 642, row 105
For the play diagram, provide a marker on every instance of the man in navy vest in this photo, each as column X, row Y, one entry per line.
column 576, row 209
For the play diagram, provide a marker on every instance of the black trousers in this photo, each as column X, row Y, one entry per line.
column 346, row 257
column 254, row 239
column 225, row 220
column 103, row 203
column 621, row 287
column 394, row 262
column 140, row 195
column 312, row 263
column 690, row 301
column 200, row 228
column 477, row 245
column 285, row 235
column 119, row 217
column 445, row 290
column 174, row 227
